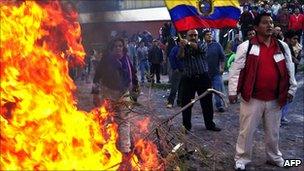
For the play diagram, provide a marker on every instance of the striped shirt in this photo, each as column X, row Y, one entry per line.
column 195, row 60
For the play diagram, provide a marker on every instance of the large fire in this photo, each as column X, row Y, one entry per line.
column 41, row 128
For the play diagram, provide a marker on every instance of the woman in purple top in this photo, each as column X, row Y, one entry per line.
column 115, row 79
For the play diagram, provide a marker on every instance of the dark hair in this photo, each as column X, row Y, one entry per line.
column 289, row 34
column 118, row 39
column 258, row 18
column 250, row 28
column 205, row 32
column 255, row 8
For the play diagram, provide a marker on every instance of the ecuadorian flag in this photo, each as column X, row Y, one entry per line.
column 192, row 14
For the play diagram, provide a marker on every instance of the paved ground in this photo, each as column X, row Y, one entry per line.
column 219, row 146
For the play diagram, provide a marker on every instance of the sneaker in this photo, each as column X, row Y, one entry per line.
column 284, row 121
column 169, row 105
column 239, row 166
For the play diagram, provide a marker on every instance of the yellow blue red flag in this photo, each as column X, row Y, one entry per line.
column 191, row 14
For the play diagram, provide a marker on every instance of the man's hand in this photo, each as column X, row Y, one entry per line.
column 233, row 99
column 183, row 42
column 289, row 98
column 96, row 100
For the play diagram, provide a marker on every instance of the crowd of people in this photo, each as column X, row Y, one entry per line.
column 262, row 60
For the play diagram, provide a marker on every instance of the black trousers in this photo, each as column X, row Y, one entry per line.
column 197, row 84
column 155, row 70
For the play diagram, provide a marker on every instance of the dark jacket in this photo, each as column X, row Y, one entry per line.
column 115, row 74
column 155, row 55
column 214, row 55
column 175, row 62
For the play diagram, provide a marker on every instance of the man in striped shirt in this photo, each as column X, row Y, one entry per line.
column 195, row 78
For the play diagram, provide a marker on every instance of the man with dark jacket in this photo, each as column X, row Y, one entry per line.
column 155, row 57
column 195, row 79
column 177, row 69
column 246, row 20
column 216, row 62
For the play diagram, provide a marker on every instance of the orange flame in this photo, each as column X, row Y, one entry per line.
column 41, row 128
column 144, row 125
column 148, row 154
column 146, row 150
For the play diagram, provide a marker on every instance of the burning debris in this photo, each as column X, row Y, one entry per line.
column 41, row 128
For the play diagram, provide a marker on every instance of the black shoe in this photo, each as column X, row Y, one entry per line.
column 221, row 110
column 188, row 131
column 216, row 129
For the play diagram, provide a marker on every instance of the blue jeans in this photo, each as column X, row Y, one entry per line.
column 302, row 41
column 175, row 80
column 143, row 68
column 217, row 84
column 285, row 110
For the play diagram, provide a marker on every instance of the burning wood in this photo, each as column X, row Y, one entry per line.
column 41, row 127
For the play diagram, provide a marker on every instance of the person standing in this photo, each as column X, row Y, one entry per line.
column 142, row 55
column 246, row 19
column 296, row 22
column 290, row 39
column 283, row 18
column 115, row 79
column 275, row 9
column 216, row 62
column 263, row 73
column 155, row 57
column 277, row 33
column 195, row 79
column 251, row 33
column 131, row 51
column 177, row 69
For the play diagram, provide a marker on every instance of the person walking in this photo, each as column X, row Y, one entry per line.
column 263, row 73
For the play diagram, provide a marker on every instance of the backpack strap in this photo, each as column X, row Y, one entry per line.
column 249, row 48
column 281, row 47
